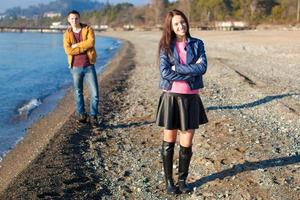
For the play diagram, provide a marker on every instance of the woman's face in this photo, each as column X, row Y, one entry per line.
column 179, row 26
column 74, row 20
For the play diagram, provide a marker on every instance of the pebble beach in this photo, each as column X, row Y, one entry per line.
column 248, row 150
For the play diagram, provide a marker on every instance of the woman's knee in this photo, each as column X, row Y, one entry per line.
column 186, row 138
column 170, row 135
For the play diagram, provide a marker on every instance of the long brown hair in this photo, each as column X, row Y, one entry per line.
column 168, row 34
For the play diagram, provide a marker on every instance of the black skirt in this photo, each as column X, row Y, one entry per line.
column 180, row 111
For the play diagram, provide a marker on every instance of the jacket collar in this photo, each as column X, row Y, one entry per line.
column 189, row 50
column 83, row 27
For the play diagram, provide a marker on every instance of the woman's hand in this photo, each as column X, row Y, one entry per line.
column 199, row 61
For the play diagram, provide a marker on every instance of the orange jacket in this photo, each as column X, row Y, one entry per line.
column 87, row 45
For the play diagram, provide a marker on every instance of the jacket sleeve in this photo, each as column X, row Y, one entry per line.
column 68, row 46
column 167, row 73
column 89, row 42
column 197, row 68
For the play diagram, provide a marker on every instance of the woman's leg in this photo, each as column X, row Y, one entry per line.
column 170, row 135
column 167, row 153
column 185, row 154
column 186, row 138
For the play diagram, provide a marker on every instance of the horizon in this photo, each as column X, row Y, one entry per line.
column 26, row 3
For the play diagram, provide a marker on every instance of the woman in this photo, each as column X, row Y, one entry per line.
column 182, row 64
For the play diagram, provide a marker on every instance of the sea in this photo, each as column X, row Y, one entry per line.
column 34, row 76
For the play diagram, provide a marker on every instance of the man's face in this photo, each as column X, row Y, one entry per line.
column 74, row 20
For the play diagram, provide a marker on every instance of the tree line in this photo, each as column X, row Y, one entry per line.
column 198, row 12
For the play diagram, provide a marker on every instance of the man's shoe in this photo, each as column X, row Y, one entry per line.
column 94, row 121
column 82, row 118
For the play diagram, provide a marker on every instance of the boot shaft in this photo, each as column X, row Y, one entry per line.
column 185, row 155
column 167, row 154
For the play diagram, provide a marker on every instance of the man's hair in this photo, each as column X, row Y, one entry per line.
column 75, row 12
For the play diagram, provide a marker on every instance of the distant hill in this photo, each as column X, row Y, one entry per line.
column 61, row 6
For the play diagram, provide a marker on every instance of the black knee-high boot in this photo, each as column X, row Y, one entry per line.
column 185, row 154
column 167, row 153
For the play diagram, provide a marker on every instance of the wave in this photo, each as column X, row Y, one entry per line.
column 114, row 46
column 25, row 110
column 111, row 48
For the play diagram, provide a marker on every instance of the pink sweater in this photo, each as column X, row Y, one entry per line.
column 181, row 87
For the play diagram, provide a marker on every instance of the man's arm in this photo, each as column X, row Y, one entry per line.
column 89, row 43
column 68, row 47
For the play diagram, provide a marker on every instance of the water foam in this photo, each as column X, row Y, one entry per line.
column 28, row 107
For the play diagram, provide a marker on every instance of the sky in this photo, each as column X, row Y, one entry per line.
column 6, row 4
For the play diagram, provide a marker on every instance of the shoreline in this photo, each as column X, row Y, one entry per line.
column 16, row 122
column 42, row 131
column 23, row 122
column 37, row 136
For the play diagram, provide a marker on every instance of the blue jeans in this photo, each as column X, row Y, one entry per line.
column 88, row 74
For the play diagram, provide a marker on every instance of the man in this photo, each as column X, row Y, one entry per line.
column 79, row 45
